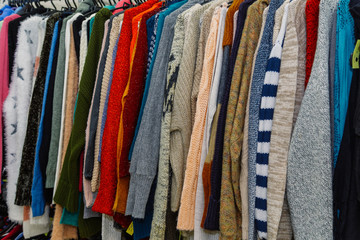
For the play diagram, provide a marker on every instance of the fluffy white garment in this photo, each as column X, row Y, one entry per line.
column 16, row 107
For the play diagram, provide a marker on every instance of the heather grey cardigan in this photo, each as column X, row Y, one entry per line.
column 309, row 180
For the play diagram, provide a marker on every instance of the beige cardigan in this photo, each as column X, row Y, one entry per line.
column 292, row 76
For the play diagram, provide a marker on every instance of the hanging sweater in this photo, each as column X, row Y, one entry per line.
column 312, row 22
column 37, row 189
column 238, row 93
column 345, row 43
column 23, row 190
column 187, row 204
column 58, row 99
column 309, row 180
column 255, row 95
column 130, row 102
column 200, row 200
column 106, row 81
column 107, row 190
column 67, row 190
column 292, row 77
column 180, row 132
column 162, row 185
column 16, row 107
column 268, row 100
column 146, row 149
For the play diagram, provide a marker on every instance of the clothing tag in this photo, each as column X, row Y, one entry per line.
column 130, row 229
column 356, row 55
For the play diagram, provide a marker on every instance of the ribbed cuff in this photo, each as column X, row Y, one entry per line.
column 37, row 204
column 213, row 215
column 143, row 188
column 142, row 227
column 67, row 196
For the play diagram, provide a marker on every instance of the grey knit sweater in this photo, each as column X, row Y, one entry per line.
column 145, row 156
column 309, row 180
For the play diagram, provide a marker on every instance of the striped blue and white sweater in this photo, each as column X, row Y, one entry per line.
column 268, row 99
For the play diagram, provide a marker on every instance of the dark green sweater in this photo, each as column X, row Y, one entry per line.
column 68, row 188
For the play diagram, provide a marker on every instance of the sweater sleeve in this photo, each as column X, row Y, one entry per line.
column 67, row 191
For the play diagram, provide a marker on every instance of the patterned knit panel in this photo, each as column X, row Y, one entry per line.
column 268, row 99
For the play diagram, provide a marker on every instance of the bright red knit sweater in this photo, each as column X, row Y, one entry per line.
column 312, row 22
column 105, row 199
column 131, row 103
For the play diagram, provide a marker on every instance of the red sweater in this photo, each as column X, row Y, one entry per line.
column 131, row 103
column 312, row 22
column 108, row 180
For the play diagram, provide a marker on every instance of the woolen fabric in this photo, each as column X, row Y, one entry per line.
column 309, row 179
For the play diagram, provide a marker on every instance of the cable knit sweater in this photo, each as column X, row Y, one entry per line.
column 292, row 74
column 16, row 107
column 187, row 204
column 309, row 180
column 163, row 180
column 105, row 199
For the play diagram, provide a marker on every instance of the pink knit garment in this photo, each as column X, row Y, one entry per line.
column 120, row 5
column 4, row 66
column 187, row 204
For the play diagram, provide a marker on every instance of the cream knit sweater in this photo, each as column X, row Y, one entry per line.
column 190, row 69
column 291, row 72
column 187, row 205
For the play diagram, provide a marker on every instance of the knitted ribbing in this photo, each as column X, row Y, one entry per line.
column 200, row 200
column 251, row 182
column 312, row 22
column 268, row 100
column 16, row 108
column 187, row 205
column 309, row 180
column 114, row 33
column 231, row 206
column 190, row 68
column 163, row 180
column 23, row 189
column 106, row 196
column 255, row 92
column 292, row 72
column 68, row 187
column 345, row 43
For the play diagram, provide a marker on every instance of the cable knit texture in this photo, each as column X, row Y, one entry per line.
column 309, row 180
column 312, row 22
column 187, row 205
